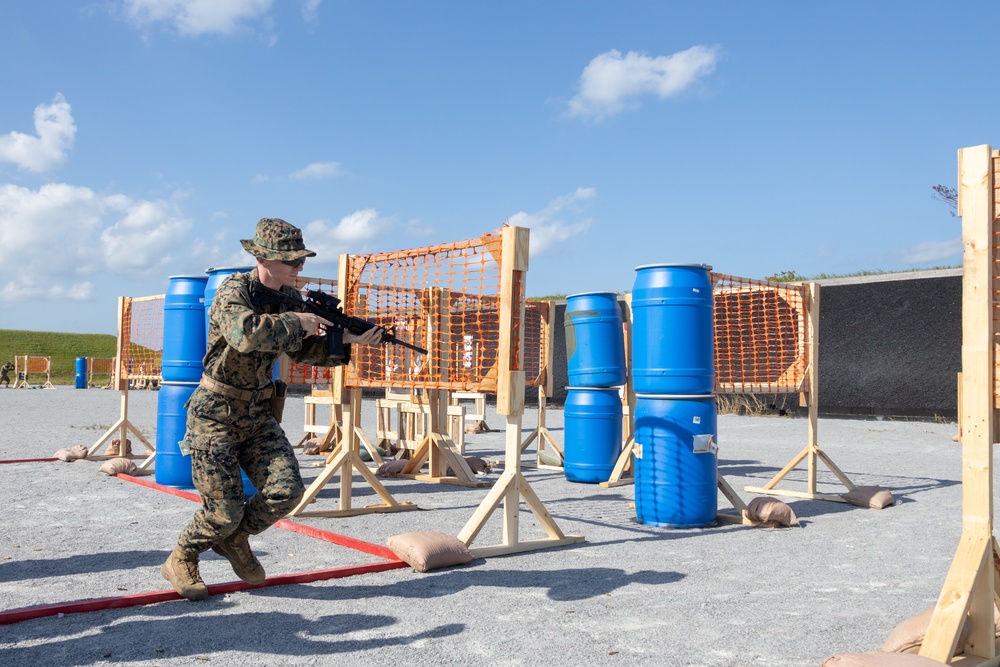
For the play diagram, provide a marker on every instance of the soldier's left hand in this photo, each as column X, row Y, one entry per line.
column 371, row 337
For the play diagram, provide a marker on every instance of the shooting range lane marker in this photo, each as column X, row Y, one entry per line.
column 140, row 599
column 342, row 540
column 392, row 562
column 29, row 460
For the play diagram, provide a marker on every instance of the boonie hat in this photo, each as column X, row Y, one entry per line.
column 276, row 239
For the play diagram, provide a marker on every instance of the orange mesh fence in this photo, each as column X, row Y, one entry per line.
column 761, row 336
column 100, row 367
column 32, row 364
column 141, row 337
column 444, row 298
column 302, row 373
column 995, row 275
column 535, row 346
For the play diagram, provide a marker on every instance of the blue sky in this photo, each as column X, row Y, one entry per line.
column 141, row 139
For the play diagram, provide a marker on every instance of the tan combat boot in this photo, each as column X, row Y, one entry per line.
column 181, row 570
column 236, row 549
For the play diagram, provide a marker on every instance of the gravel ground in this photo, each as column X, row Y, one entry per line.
column 628, row 595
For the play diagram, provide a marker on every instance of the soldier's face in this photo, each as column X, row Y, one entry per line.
column 281, row 272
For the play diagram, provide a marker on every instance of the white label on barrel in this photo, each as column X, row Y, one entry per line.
column 695, row 289
column 697, row 419
column 637, row 450
column 703, row 443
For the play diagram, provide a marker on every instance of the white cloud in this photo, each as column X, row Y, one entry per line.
column 612, row 83
column 348, row 235
column 56, row 240
column 549, row 227
column 310, row 10
column 932, row 251
column 147, row 236
column 47, row 241
column 315, row 171
column 197, row 17
column 55, row 130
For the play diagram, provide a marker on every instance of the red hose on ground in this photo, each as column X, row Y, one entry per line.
column 139, row 599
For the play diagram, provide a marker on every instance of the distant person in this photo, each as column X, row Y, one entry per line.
column 4, row 377
column 230, row 423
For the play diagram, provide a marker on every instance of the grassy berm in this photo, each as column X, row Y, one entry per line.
column 63, row 348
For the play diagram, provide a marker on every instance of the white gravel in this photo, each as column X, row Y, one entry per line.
column 628, row 595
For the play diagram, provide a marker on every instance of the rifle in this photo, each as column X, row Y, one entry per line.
column 327, row 307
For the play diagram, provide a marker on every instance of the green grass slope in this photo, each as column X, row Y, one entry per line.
column 63, row 348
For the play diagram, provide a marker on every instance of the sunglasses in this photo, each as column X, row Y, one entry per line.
column 294, row 263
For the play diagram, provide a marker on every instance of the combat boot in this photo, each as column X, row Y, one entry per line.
column 236, row 549
column 181, row 570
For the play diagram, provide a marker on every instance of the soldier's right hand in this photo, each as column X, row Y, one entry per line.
column 311, row 322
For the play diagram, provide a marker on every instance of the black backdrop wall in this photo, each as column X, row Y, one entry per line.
column 889, row 345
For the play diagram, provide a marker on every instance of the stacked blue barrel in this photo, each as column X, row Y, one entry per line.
column 183, row 352
column 595, row 361
column 673, row 376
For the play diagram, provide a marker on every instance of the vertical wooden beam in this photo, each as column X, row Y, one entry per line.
column 510, row 381
column 813, row 380
column 968, row 588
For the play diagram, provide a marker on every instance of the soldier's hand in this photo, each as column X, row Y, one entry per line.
column 371, row 337
column 311, row 322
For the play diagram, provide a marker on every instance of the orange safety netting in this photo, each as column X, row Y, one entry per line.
column 995, row 273
column 25, row 364
column 444, row 298
column 141, row 337
column 761, row 335
column 536, row 344
column 302, row 373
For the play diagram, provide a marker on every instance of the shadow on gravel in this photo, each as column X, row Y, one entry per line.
column 194, row 632
column 564, row 585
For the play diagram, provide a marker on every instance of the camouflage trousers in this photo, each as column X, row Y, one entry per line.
column 226, row 435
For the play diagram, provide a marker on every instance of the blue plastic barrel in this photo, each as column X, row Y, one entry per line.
column 595, row 342
column 672, row 340
column 81, row 372
column 184, row 329
column 675, row 461
column 172, row 467
column 592, row 424
column 216, row 276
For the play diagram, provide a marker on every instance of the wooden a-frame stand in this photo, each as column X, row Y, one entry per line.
column 345, row 457
column 512, row 485
column 541, row 435
column 812, row 453
column 971, row 586
column 123, row 426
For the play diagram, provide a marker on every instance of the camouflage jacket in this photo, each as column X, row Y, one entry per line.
column 244, row 341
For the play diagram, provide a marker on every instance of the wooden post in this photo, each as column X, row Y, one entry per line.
column 345, row 458
column 123, row 425
column 512, row 485
column 812, row 452
column 969, row 586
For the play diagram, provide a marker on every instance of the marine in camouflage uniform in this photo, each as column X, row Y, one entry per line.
column 4, row 378
column 230, row 423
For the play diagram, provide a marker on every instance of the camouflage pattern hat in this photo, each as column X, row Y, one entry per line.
column 277, row 239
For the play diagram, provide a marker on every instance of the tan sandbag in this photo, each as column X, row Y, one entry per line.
column 118, row 465
column 311, row 447
column 113, row 448
column 392, row 468
column 429, row 550
column 771, row 513
column 908, row 634
column 74, row 453
column 875, row 497
column 550, row 457
column 879, row 659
